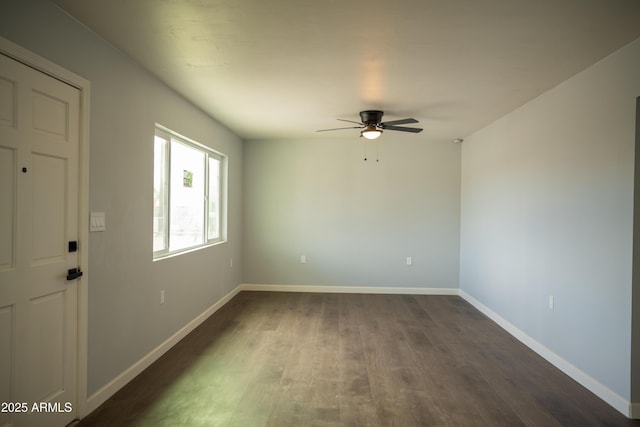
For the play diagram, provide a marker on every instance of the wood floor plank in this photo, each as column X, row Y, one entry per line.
column 295, row 359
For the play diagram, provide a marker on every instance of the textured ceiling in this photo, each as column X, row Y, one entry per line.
column 284, row 68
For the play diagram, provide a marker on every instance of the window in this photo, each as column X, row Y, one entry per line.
column 188, row 183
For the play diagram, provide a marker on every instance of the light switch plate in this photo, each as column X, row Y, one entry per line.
column 97, row 221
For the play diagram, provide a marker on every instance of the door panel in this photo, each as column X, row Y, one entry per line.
column 45, row 348
column 6, row 357
column 50, row 115
column 49, row 209
column 39, row 143
column 7, row 102
column 7, row 207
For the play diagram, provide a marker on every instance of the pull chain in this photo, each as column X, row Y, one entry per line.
column 377, row 151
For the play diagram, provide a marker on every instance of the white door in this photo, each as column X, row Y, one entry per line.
column 39, row 136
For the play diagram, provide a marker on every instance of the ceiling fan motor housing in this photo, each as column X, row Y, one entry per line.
column 369, row 117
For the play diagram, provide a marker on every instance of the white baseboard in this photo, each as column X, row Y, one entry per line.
column 108, row 390
column 349, row 289
column 597, row 388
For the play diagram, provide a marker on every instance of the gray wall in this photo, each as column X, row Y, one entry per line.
column 547, row 209
column 355, row 221
column 126, row 320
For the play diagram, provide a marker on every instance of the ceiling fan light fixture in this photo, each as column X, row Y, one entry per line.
column 372, row 125
column 371, row 132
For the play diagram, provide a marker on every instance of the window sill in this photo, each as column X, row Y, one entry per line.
column 164, row 256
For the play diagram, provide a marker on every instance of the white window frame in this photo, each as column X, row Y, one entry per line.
column 170, row 136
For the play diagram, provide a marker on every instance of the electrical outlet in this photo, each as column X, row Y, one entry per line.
column 303, row 259
column 162, row 297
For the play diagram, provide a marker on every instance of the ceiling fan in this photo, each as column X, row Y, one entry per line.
column 373, row 126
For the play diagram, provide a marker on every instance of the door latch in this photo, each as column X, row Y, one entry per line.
column 74, row 273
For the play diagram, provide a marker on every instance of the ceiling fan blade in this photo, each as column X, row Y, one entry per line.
column 402, row 129
column 350, row 121
column 398, row 122
column 350, row 127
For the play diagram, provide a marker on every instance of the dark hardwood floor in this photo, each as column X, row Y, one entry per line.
column 296, row 359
